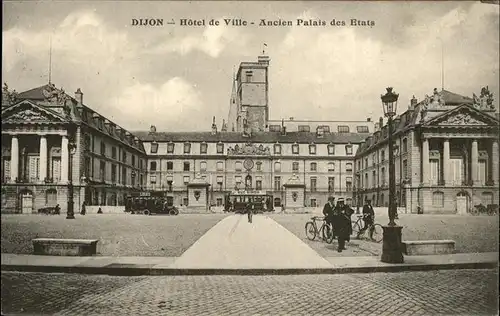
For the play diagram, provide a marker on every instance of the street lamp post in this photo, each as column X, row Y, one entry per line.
column 70, row 214
column 391, row 248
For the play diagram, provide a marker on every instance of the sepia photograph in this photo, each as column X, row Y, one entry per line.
column 250, row 157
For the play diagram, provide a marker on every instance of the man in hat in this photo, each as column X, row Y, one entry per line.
column 328, row 210
column 342, row 223
column 368, row 217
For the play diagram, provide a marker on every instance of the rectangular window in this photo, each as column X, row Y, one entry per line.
column 277, row 166
column 348, row 150
column 304, row 128
column 186, row 166
column 124, row 157
column 170, row 148
column 277, row 149
column 185, row 201
column 259, row 166
column 348, row 184
column 382, row 177
column 237, row 180
column 187, row 148
column 124, row 176
column 374, row 179
column 152, row 166
column 186, row 179
column 113, row 152
column 88, row 142
column 220, row 179
column 220, row 148
column 326, row 128
column 331, row 149
column 203, row 148
column 331, row 184
column 295, row 149
column 133, row 160
column 434, row 171
column 405, row 145
column 348, row 166
column 277, row 183
column 34, row 168
column 314, row 166
column 331, row 166
column 154, row 148
column 343, row 129
column 362, row 129
column 295, row 166
column 56, row 168
column 238, row 166
column 438, row 199
column 219, row 202
column 113, row 173
column 312, row 149
column 314, row 184
column 203, row 166
column 170, row 165
column 405, row 171
column 258, row 185
column 382, row 156
column 274, row 128
column 102, row 170
column 103, row 148
column 220, row 166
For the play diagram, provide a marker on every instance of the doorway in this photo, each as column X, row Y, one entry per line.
column 462, row 203
column 26, row 202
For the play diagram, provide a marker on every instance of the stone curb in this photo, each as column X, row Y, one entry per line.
column 141, row 271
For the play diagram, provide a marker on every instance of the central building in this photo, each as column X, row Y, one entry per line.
column 298, row 163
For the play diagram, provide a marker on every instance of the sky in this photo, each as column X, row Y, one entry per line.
column 178, row 77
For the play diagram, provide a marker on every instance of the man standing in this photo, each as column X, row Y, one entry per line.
column 342, row 224
column 328, row 211
column 249, row 210
column 84, row 208
column 368, row 217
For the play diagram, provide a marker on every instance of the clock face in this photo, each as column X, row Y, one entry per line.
column 248, row 164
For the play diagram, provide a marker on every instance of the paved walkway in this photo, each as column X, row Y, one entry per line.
column 234, row 243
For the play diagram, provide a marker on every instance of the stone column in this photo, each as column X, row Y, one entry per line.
column 474, row 162
column 425, row 161
column 43, row 157
column 14, row 158
column 64, row 159
column 446, row 162
column 494, row 162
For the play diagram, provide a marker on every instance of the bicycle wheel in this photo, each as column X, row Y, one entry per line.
column 376, row 233
column 310, row 231
column 355, row 229
column 329, row 234
column 326, row 232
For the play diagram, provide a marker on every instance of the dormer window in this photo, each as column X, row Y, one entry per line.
column 331, row 149
column 348, row 149
column 312, row 149
column 362, row 129
column 203, row 148
column 326, row 129
column 295, row 149
column 304, row 128
column 170, row 148
column 319, row 131
column 187, row 148
column 220, row 148
column 154, row 147
column 343, row 129
column 277, row 149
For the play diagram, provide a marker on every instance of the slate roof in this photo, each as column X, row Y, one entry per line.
column 260, row 137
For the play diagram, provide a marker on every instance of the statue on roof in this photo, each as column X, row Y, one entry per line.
column 8, row 97
column 486, row 99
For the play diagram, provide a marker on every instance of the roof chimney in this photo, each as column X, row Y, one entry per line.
column 224, row 126
column 79, row 96
column 263, row 60
column 152, row 129
column 368, row 119
column 214, row 126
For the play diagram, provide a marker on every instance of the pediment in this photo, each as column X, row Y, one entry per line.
column 28, row 112
column 463, row 116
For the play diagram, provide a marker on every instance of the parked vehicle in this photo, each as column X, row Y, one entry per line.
column 52, row 210
column 237, row 201
column 149, row 203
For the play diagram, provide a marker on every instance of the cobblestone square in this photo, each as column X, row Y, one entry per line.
column 455, row 292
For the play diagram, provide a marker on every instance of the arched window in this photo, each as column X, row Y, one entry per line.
column 277, row 202
column 51, row 197
column 438, row 199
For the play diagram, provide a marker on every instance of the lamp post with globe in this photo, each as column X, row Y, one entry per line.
column 391, row 249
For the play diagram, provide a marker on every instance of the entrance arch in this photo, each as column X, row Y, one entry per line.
column 462, row 202
column 26, row 201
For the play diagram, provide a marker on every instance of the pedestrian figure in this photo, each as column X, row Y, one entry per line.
column 249, row 210
column 328, row 212
column 99, row 211
column 368, row 217
column 342, row 224
column 57, row 210
column 84, row 208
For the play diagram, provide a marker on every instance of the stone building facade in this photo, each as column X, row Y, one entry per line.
column 446, row 157
column 50, row 138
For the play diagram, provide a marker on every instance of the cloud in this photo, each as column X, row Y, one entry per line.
column 168, row 106
column 339, row 74
column 212, row 41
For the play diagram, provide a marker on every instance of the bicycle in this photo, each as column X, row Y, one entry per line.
column 325, row 230
column 376, row 232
